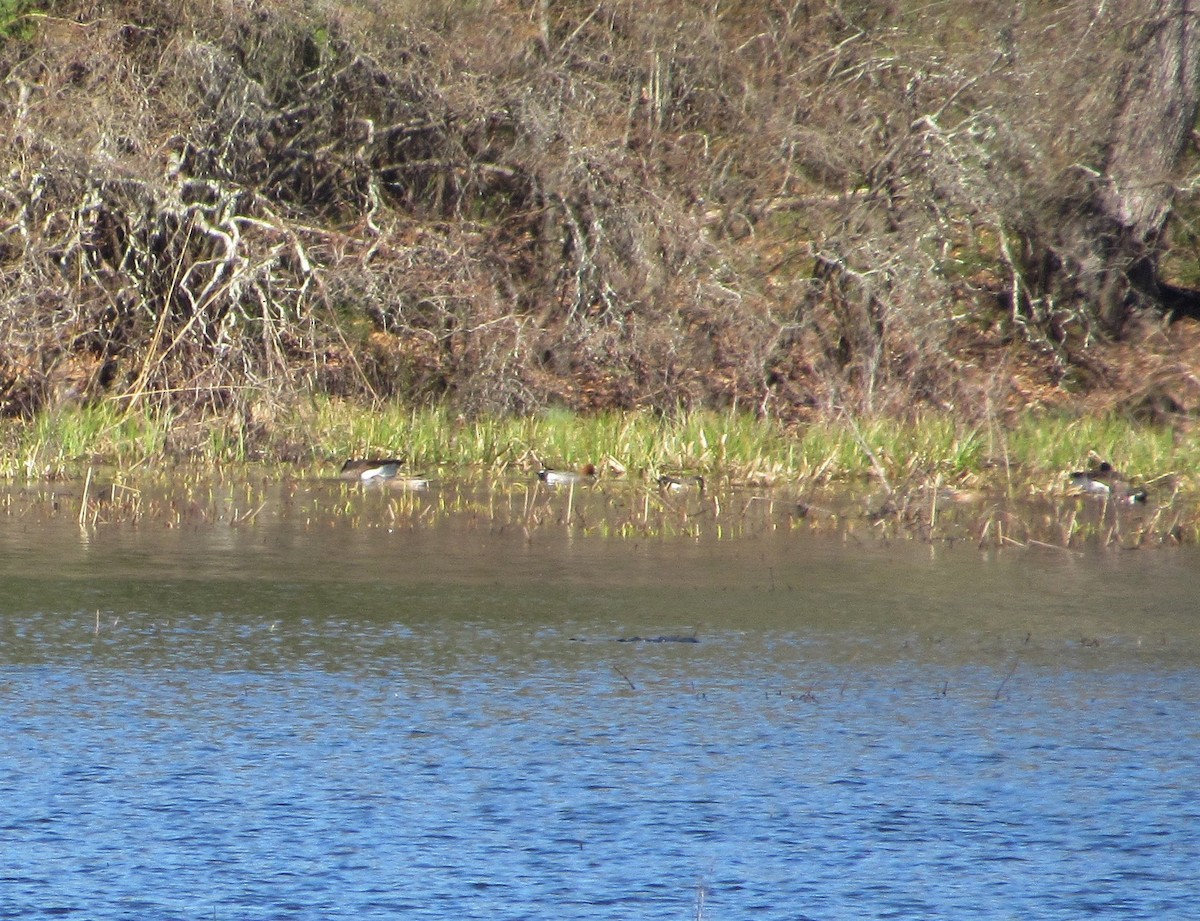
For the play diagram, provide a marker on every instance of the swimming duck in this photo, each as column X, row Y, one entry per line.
column 366, row 471
column 681, row 483
column 1103, row 480
column 585, row 474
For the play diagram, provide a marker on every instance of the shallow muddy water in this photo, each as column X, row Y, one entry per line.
column 313, row 701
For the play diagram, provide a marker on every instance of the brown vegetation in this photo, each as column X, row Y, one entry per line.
column 802, row 207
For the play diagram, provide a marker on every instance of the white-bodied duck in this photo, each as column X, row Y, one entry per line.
column 369, row 470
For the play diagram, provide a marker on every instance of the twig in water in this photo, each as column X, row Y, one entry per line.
column 632, row 686
column 937, row 487
column 701, row 893
column 248, row 516
column 87, row 482
column 1012, row 668
column 1040, row 543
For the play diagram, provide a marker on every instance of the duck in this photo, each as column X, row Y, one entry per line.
column 681, row 483
column 370, row 470
column 1104, row 480
column 585, row 474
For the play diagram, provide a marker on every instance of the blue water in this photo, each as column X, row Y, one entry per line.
column 886, row 734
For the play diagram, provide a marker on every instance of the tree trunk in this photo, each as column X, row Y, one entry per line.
column 1109, row 260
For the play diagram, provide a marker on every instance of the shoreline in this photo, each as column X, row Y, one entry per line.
column 869, row 482
column 1030, row 458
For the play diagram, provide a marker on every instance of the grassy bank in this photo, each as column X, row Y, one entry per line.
column 1030, row 458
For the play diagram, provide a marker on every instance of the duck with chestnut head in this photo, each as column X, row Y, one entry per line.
column 584, row 475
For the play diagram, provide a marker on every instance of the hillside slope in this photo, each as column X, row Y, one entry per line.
column 798, row 209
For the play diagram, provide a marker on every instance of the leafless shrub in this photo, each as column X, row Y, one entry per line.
column 797, row 206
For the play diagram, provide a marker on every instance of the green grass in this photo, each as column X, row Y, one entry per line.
column 15, row 21
column 1030, row 457
column 639, row 443
column 837, row 471
column 1055, row 444
column 68, row 441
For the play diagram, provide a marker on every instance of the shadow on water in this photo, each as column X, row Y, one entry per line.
column 613, row 508
column 302, row 558
column 257, row 700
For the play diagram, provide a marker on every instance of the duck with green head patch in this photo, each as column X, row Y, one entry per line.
column 1103, row 480
column 680, row 482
